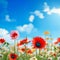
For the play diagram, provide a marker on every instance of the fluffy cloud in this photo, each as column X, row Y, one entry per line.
column 28, row 30
column 8, row 39
column 36, row 13
column 51, row 11
column 46, row 7
column 31, row 18
column 7, row 18
column 3, row 13
column 25, row 28
column 5, row 34
column 39, row 14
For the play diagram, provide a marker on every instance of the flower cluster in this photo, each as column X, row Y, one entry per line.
column 38, row 48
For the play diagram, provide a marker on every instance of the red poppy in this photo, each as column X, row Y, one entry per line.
column 2, row 40
column 54, row 54
column 13, row 56
column 24, row 41
column 23, row 49
column 58, row 40
column 14, row 34
column 29, row 51
column 38, row 42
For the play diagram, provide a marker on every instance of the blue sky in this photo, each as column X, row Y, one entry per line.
column 30, row 17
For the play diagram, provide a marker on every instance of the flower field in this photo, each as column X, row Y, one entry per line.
column 40, row 48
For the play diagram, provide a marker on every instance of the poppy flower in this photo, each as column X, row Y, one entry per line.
column 23, row 49
column 54, row 54
column 2, row 40
column 29, row 51
column 38, row 42
column 13, row 56
column 24, row 41
column 58, row 40
column 14, row 34
column 46, row 32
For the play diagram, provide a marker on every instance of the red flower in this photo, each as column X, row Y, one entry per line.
column 14, row 34
column 2, row 40
column 54, row 54
column 29, row 51
column 23, row 49
column 58, row 40
column 24, row 41
column 38, row 42
column 13, row 56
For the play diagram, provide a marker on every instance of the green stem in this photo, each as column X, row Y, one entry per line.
column 14, row 46
column 25, row 50
column 7, row 57
column 39, row 51
column 36, row 52
column 17, row 48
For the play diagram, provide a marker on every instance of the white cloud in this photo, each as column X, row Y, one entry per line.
column 25, row 28
column 55, row 10
column 36, row 13
column 3, row 32
column 7, row 18
column 49, row 11
column 8, row 39
column 46, row 7
column 31, row 18
column 39, row 14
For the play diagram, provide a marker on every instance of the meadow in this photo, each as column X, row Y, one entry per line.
column 40, row 48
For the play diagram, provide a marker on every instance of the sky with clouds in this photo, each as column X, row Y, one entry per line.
column 30, row 17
